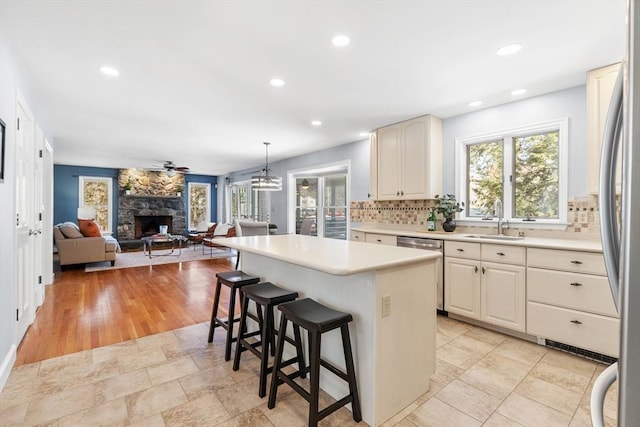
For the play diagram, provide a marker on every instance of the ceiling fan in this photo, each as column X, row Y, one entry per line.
column 170, row 168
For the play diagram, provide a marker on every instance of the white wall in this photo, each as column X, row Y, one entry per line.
column 357, row 152
column 569, row 103
column 10, row 82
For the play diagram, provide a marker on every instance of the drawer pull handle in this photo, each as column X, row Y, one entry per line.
column 460, row 250
column 482, row 270
column 575, row 284
column 576, row 322
column 576, row 262
column 500, row 253
column 379, row 240
column 476, row 268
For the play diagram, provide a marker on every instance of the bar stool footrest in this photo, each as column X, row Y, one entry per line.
column 336, row 371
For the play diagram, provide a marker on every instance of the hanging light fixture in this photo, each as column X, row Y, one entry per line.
column 266, row 181
column 305, row 184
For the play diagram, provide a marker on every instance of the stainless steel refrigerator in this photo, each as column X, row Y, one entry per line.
column 621, row 242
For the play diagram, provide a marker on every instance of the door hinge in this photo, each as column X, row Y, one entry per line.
column 17, row 314
column 39, row 216
column 40, row 153
column 39, row 280
column 511, row 178
column 17, row 219
column 18, row 122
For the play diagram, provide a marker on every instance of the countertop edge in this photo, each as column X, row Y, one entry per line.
column 530, row 242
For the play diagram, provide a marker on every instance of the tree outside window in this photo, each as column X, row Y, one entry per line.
column 524, row 168
column 95, row 193
column 199, row 199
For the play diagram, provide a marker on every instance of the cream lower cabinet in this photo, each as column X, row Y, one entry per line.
column 479, row 288
column 569, row 300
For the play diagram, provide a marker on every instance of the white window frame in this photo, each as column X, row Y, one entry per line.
column 82, row 180
column 343, row 166
column 507, row 135
column 190, row 185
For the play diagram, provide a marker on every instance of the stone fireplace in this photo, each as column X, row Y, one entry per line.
column 153, row 202
column 143, row 215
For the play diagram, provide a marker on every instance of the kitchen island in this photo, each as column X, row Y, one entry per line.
column 394, row 351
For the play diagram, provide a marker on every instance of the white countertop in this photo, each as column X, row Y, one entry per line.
column 530, row 242
column 337, row 257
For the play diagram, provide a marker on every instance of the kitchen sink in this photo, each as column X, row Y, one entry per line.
column 494, row 237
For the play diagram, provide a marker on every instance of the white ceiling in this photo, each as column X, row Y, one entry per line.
column 194, row 75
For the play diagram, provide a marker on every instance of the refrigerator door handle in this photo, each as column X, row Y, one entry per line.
column 600, row 387
column 608, row 221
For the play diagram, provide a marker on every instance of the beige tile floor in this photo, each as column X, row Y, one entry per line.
column 177, row 379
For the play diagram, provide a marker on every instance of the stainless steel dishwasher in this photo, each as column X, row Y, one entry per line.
column 429, row 245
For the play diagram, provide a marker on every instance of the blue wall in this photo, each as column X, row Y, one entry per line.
column 65, row 191
column 203, row 179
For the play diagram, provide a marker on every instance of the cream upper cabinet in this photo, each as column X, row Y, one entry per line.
column 373, row 165
column 599, row 89
column 409, row 159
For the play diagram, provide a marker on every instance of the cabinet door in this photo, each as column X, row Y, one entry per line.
column 389, row 140
column 373, row 165
column 358, row 236
column 503, row 298
column 599, row 89
column 462, row 287
column 413, row 155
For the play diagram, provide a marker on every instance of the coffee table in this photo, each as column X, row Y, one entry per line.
column 149, row 241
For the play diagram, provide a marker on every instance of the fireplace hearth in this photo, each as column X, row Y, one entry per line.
column 148, row 225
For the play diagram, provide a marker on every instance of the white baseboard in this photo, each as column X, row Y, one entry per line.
column 7, row 365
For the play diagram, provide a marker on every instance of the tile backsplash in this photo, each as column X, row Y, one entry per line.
column 582, row 214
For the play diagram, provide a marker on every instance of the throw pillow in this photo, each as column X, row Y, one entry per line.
column 221, row 230
column 71, row 232
column 211, row 228
column 89, row 228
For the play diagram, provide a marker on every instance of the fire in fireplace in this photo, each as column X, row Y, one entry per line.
column 148, row 225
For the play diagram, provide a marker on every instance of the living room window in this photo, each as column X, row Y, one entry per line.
column 199, row 205
column 96, row 193
column 246, row 203
column 525, row 168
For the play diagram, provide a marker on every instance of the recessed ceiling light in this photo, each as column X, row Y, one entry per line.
column 509, row 49
column 109, row 71
column 518, row 92
column 340, row 40
column 316, row 123
column 276, row 82
column 364, row 133
column 475, row 103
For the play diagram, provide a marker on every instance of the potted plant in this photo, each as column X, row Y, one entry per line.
column 448, row 206
column 127, row 188
column 179, row 190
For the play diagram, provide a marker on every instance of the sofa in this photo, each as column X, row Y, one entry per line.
column 76, row 248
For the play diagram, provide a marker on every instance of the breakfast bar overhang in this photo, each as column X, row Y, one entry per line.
column 394, row 353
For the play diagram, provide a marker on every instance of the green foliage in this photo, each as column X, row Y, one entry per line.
column 127, row 186
column 485, row 176
column 447, row 205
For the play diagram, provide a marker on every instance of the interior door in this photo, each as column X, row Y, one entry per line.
column 38, row 214
column 25, row 278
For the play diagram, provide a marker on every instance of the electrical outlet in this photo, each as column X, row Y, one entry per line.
column 386, row 305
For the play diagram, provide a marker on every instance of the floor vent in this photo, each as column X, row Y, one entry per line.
column 592, row 355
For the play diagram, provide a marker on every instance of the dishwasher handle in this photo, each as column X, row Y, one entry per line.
column 418, row 243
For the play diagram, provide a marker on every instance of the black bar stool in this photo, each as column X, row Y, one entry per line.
column 316, row 319
column 265, row 296
column 234, row 280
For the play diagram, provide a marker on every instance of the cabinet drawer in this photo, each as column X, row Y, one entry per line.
column 381, row 239
column 503, row 253
column 584, row 330
column 462, row 249
column 358, row 236
column 571, row 290
column 581, row 262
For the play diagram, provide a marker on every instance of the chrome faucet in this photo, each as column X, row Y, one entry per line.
column 497, row 208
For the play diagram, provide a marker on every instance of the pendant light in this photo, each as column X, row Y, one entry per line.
column 305, row 184
column 266, row 181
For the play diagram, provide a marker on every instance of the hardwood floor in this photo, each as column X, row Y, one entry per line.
column 82, row 310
